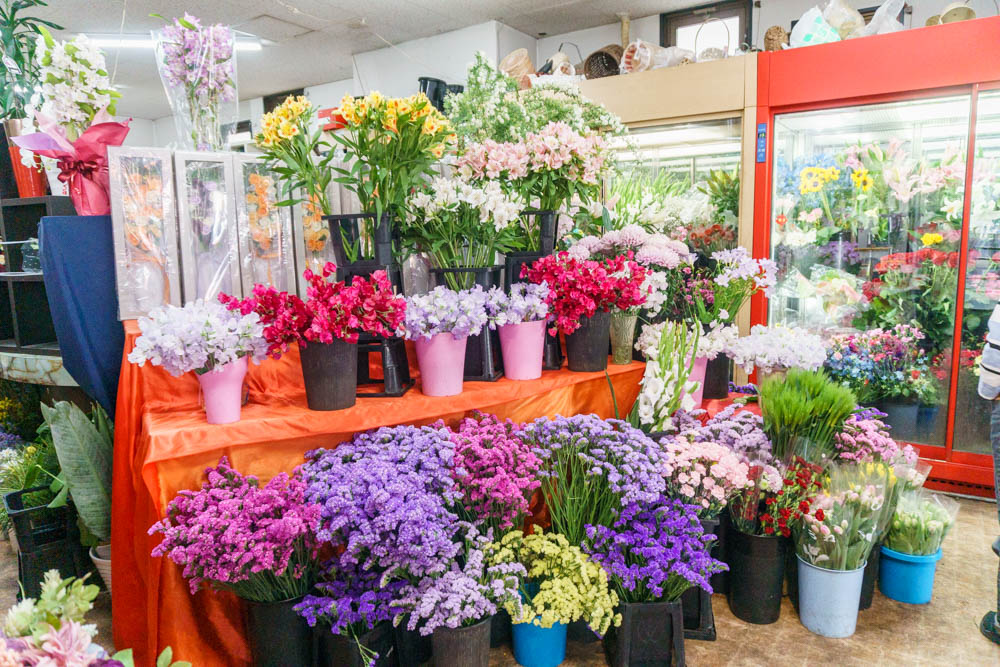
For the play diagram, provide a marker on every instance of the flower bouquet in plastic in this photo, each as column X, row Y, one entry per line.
column 921, row 522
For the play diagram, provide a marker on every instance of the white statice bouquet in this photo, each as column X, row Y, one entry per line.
column 73, row 83
column 202, row 336
column 778, row 348
column 665, row 387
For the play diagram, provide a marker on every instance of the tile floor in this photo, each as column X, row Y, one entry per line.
column 945, row 632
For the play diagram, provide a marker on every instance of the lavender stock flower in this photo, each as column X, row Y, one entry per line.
column 525, row 303
column 740, row 430
column 443, row 310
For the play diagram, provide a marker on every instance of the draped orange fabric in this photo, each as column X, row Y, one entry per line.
column 163, row 444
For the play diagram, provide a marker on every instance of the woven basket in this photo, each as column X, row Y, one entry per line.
column 516, row 64
column 603, row 62
column 774, row 38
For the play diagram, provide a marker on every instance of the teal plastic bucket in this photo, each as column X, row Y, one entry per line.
column 829, row 599
column 907, row 578
column 535, row 646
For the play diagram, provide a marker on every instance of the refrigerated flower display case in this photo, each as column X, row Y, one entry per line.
column 877, row 199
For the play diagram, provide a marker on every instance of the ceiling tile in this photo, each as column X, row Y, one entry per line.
column 271, row 28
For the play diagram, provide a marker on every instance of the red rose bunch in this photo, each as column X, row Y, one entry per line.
column 332, row 310
column 580, row 287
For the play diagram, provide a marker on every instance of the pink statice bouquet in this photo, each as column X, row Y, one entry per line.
column 703, row 474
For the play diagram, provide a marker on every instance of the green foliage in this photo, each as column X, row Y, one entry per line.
column 84, row 447
column 18, row 34
column 806, row 407
column 723, row 190
column 19, row 413
column 60, row 600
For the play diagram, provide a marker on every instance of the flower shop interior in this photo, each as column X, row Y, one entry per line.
column 509, row 332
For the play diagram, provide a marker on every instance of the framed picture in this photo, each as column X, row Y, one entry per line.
column 144, row 219
column 313, row 246
column 207, row 220
column 267, row 252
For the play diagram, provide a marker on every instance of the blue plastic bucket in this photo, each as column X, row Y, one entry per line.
column 535, row 646
column 907, row 578
column 829, row 599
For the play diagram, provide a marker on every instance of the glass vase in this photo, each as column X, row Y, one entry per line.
column 622, row 337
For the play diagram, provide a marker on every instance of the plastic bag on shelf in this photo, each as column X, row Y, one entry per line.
column 640, row 56
column 843, row 18
column 884, row 20
column 265, row 229
column 812, row 29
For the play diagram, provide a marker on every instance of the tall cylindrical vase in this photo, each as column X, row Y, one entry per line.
column 828, row 599
column 277, row 635
column 622, row 337
column 441, row 359
column 587, row 347
column 330, row 373
column 521, row 346
column 222, row 389
column 717, row 373
column 698, row 375
column 469, row 646
column 756, row 575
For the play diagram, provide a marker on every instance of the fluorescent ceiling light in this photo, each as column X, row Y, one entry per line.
column 124, row 41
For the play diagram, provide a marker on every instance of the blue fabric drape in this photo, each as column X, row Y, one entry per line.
column 78, row 261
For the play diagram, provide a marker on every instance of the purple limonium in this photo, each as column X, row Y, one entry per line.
column 495, row 471
column 591, row 467
column 525, row 303
column 469, row 591
column 654, row 551
column 740, row 430
column 443, row 310
column 256, row 541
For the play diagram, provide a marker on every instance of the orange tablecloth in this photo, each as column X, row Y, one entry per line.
column 714, row 406
column 163, row 445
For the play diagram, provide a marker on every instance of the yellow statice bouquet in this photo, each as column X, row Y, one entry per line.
column 297, row 153
column 391, row 145
column 562, row 585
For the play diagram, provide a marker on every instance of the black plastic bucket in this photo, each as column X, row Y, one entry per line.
column 757, row 573
column 587, row 347
column 651, row 635
column 469, row 646
column 412, row 648
column 696, row 602
column 500, row 629
column 578, row 631
column 342, row 651
column 871, row 577
column 277, row 635
column 330, row 372
column 434, row 89
column 717, row 374
column 720, row 580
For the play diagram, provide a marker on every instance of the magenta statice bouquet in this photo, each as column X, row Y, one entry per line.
column 496, row 473
column 256, row 541
column 590, row 468
column 654, row 551
column 702, row 474
column 865, row 438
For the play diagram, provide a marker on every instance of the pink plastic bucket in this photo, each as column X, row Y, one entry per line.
column 522, row 346
column 442, row 364
column 223, row 392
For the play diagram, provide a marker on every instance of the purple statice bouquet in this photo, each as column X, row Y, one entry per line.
column 202, row 336
column 443, row 310
column 525, row 303
column 739, row 430
column 386, row 501
column 495, row 471
column 198, row 71
column 865, row 438
column 654, row 551
column 590, row 468
column 471, row 590
column 256, row 541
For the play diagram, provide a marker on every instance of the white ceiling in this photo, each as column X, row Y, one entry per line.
column 314, row 39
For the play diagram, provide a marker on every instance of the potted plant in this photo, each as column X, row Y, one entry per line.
column 519, row 317
column 836, row 536
column 456, row 606
column 718, row 294
column 562, row 585
column 582, row 294
column 206, row 532
column 19, row 35
column 652, row 553
column 771, row 351
column 326, row 327
column 208, row 339
column 440, row 323
column 912, row 546
column 83, row 446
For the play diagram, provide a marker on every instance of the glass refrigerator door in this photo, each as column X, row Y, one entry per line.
column 866, row 218
column 693, row 171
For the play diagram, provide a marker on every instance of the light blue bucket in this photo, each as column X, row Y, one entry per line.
column 907, row 578
column 829, row 599
column 536, row 646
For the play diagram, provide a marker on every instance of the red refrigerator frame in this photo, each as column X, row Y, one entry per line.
column 955, row 58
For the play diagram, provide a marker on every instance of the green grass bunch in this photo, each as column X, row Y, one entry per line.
column 804, row 406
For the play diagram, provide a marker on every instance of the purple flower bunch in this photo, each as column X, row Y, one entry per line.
column 199, row 58
column 386, row 500
column 496, row 473
column 740, row 430
column 845, row 252
column 469, row 591
column 590, row 467
column 353, row 601
column 256, row 541
column 654, row 551
column 865, row 438
column 443, row 310
column 525, row 303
